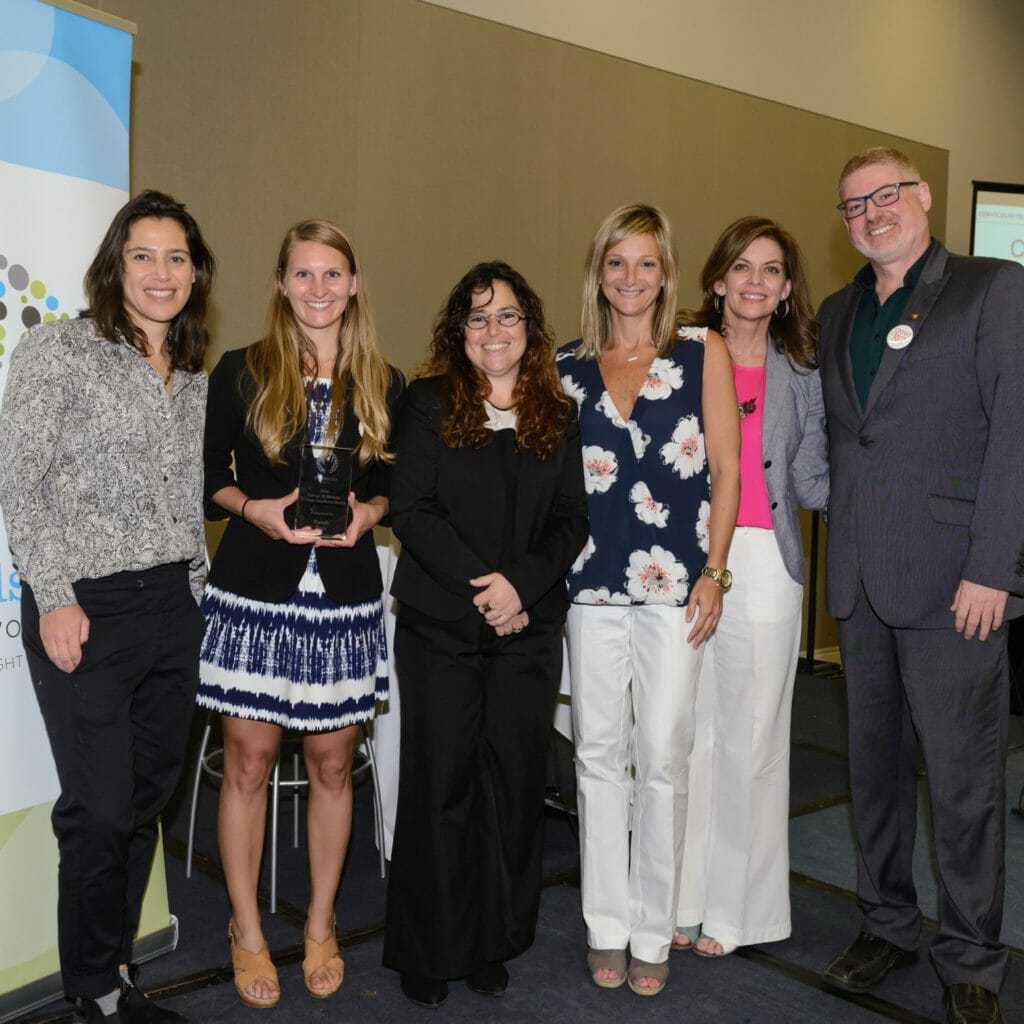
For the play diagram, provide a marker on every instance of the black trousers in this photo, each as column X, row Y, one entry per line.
column 467, row 861
column 117, row 727
column 951, row 695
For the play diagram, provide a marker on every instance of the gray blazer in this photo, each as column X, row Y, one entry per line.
column 794, row 452
column 928, row 481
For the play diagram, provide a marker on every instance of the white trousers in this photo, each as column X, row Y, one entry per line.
column 735, row 876
column 634, row 681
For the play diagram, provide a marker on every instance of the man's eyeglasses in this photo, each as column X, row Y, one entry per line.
column 506, row 318
column 886, row 195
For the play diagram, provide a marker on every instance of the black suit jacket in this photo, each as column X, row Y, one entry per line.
column 248, row 562
column 448, row 508
column 927, row 482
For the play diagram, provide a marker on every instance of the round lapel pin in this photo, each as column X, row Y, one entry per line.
column 900, row 336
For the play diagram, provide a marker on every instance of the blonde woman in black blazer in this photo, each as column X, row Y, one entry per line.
column 487, row 499
column 295, row 633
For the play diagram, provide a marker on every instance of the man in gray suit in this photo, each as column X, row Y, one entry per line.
column 922, row 370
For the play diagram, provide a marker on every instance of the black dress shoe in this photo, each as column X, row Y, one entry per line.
column 865, row 962
column 972, row 1004
column 136, row 1008
column 489, row 980
column 423, row 991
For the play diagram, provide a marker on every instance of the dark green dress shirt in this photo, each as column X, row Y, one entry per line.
column 873, row 322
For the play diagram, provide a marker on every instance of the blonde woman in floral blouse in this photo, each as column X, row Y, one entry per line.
column 658, row 419
column 101, row 488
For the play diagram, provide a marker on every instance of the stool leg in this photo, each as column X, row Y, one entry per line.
column 195, row 795
column 378, row 807
column 295, row 800
column 275, row 795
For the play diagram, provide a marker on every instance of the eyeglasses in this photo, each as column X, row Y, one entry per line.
column 886, row 195
column 506, row 318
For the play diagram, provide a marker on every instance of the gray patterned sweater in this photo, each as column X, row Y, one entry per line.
column 100, row 471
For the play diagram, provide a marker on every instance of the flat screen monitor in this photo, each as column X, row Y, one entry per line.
column 997, row 221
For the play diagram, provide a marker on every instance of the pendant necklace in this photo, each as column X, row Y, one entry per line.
column 633, row 358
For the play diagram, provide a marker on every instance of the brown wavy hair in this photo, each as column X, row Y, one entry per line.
column 187, row 337
column 795, row 334
column 280, row 360
column 542, row 410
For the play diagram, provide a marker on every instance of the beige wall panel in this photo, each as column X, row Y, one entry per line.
column 943, row 72
column 245, row 111
column 988, row 142
column 844, row 61
column 457, row 129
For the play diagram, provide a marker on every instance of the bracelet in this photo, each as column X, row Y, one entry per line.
column 241, row 511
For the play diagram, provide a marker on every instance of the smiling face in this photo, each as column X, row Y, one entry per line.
column 755, row 283
column 318, row 283
column 632, row 276
column 495, row 350
column 893, row 236
column 156, row 275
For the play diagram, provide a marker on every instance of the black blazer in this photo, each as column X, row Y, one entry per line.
column 448, row 509
column 248, row 562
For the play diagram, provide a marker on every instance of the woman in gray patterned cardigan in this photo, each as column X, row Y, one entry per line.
column 101, row 489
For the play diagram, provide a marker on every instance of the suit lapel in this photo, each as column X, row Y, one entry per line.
column 775, row 386
column 843, row 365
column 929, row 287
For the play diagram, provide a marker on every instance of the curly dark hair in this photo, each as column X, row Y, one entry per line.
column 542, row 410
column 795, row 334
column 187, row 337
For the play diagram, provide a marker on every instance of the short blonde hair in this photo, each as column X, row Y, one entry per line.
column 625, row 222
column 879, row 155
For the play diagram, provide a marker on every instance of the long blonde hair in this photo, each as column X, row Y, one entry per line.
column 280, row 360
column 625, row 222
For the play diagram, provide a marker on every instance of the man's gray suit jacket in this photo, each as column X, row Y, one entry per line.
column 927, row 482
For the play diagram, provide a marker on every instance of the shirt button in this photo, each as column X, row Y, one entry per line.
column 165, row 479
column 768, row 464
column 775, row 505
column 865, row 442
column 174, row 519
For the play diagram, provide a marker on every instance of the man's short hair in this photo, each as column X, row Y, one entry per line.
column 880, row 155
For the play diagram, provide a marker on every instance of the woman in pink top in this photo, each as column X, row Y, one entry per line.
column 734, row 884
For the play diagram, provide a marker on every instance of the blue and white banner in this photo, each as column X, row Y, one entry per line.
column 65, row 86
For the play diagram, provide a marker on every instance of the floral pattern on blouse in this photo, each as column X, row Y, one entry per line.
column 646, row 480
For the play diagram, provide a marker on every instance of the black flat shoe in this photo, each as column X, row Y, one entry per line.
column 489, row 980
column 87, row 1011
column 971, row 1004
column 423, row 991
column 865, row 963
column 135, row 1007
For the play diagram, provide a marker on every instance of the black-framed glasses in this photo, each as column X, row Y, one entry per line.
column 506, row 318
column 885, row 195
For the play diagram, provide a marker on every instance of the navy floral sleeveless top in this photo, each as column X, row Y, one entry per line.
column 646, row 480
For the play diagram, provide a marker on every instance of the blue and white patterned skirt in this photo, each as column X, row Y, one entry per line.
column 307, row 664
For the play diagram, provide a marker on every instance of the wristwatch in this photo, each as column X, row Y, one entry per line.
column 721, row 576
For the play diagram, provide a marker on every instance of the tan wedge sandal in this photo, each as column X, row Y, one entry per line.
column 248, row 968
column 323, row 954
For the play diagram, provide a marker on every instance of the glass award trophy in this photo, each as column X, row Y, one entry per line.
column 325, row 479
